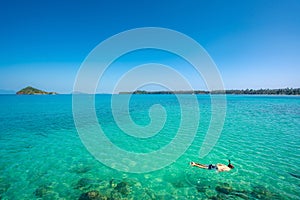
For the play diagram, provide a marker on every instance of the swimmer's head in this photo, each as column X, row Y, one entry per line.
column 230, row 165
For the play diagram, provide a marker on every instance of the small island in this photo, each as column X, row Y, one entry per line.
column 33, row 91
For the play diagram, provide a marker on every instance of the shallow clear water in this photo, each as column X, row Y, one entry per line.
column 42, row 156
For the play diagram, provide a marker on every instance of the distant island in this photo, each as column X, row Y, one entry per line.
column 33, row 91
column 285, row 91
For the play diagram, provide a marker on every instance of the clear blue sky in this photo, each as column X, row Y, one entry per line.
column 255, row 43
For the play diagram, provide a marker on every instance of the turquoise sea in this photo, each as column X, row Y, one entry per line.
column 42, row 156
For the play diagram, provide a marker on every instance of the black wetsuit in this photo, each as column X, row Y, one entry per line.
column 211, row 166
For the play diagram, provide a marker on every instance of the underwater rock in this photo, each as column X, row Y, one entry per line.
column 102, row 185
column 113, row 183
column 84, row 183
column 87, row 184
column 209, row 193
column 150, row 193
column 41, row 191
column 225, row 188
column 201, row 189
column 115, row 195
column 225, row 191
column 219, row 197
column 123, row 188
column 243, row 195
column 92, row 195
column 261, row 192
column 133, row 182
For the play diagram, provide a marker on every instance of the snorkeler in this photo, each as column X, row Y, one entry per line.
column 218, row 167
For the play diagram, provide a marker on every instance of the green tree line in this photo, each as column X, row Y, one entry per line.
column 285, row 91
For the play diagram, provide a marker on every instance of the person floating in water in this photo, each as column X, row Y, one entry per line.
column 218, row 167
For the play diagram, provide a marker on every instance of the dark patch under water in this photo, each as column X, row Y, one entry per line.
column 4, row 186
column 42, row 191
column 121, row 189
column 295, row 175
column 113, row 189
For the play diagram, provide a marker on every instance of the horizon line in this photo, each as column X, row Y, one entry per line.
column 2, row 91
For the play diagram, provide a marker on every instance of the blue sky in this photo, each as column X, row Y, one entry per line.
column 254, row 43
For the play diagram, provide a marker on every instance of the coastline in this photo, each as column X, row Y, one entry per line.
column 286, row 91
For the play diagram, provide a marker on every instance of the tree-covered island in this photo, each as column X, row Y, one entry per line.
column 33, row 91
column 285, row 91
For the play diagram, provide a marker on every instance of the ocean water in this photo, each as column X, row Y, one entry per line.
column 42, row 156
